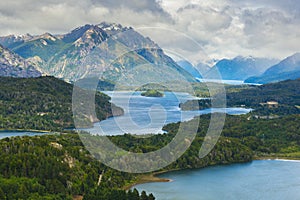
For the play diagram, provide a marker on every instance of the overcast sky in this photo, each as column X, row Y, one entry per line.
column 221, row 28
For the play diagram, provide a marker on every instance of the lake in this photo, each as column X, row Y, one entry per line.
column 5, row 134
column 258, row 180
column 145, row 115
column 230, row 82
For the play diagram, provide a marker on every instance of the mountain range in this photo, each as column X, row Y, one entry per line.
column 12, row 65
column 189, row 68
column 248, row 69
column 239, row 68
column 105, row 50
column 196, row 71
column 111, row 52
column 288, row 68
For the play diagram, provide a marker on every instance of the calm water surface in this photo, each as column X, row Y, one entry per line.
column 145, row 115
column 259, row 180
column 5, row 134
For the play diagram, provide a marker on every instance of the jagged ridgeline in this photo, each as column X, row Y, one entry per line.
column 12, row 65
column 106, row 51
column 44, row 103
column 288, row 68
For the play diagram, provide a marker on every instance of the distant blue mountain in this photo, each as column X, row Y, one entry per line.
column 288, row 68
column 187, row 66
column 203, row 68
column 240, row 68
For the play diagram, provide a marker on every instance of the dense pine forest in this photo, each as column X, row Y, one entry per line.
column 43, row 103
column 57, row 166
column 275, row 99
column 286, row 94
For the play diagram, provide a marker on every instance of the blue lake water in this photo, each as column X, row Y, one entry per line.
column 258, row 180
column 5, row 134
column 230, row 82
column 145, row 115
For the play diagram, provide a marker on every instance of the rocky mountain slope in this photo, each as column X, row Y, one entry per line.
column 107, row 51
column 13, row 65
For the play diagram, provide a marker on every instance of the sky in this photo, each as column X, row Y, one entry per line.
column 191, row 29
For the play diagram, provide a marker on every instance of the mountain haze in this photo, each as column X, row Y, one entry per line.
column 288, row 68
column 203, row 68
column 240, row 68
column 189, row 68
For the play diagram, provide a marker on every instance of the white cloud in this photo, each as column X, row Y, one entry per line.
column 222, row 28
column 262, row 28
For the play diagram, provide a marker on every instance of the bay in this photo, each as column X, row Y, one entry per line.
column 258, row 180
column 229, row 82
column 6, row 134
column 144, row 115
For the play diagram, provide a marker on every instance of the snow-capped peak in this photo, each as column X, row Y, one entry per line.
column 25, row 37
column 110, row 26
column 249, row 58
column 47, row 36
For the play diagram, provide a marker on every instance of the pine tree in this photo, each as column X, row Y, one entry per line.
column 144, row 196
column 151, row 197
column 2, row 194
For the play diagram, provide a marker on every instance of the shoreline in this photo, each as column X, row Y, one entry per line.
column 26, row 130
column 276, row 157
column 152, row 178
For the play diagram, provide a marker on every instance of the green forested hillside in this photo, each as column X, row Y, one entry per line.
column 59, row 166
column 56, row 167
column 285, row 94
column 43, row 103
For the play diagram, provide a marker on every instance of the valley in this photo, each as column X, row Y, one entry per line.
column 143, row 98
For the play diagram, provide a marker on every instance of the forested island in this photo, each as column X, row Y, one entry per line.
column 200, row 104
column 152, row 93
